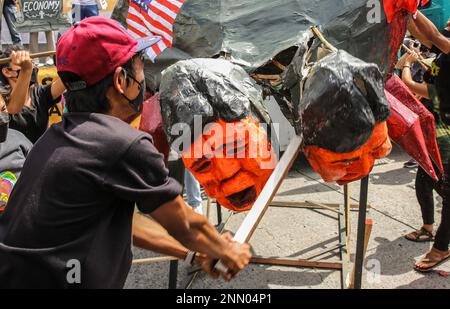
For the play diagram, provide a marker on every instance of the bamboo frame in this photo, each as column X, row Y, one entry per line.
column 422, row 63
column 32, row 56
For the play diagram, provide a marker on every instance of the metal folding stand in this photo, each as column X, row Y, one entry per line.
column 363, row 235
column 173, row 274
column 350, row 278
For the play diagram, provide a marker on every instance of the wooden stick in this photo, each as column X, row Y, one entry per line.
column 296, row 263
column 324, row 207
column 281, row 204
column 208, row 207
column 347, row 208
column 420, row 60
column 279, row 65
column 32, row 56
column 251, row 221
column 154, row 260
column 267, row 76
column 319, row 35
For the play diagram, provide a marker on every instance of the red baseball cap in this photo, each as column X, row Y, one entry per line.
column 93, row 49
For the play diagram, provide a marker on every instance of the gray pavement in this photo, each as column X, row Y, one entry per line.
column 302, row 233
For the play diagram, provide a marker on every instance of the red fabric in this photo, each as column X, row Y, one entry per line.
column 152, row 123
column 397, row 32
column 392, row 7
column 400, row 91
column 405, row 130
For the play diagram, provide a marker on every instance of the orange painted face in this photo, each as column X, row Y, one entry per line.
column 232, row 161
column 348, row 167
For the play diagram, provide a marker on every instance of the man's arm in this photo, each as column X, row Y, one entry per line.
column 20, row 93
column 427, row 33
column 149, row 235
column 196, row 233
column 420, row 89
column 58, row 89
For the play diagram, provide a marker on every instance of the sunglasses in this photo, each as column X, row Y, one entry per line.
column 12, row 70
column 140, row 84
column 35, row 67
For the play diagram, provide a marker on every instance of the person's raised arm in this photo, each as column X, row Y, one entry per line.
column 420, row 89
column 196, row 233
column 58, row 88
column 425, row 31
column 20, row 91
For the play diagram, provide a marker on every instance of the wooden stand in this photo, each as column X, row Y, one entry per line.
column 351, row 277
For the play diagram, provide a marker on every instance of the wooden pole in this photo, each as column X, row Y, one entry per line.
column 295, row 263
column 208, row 207
column 154, row 260
column 32, row 56
column 424, row 65
column 319, row 35
column 251, row 221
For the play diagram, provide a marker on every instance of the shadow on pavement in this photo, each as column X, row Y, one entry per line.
column 398, row 256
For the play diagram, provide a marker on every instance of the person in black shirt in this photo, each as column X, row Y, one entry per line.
column 68, row 222
column 27, row 102
column 14, row 146
column 424, row 30
column 446, row 31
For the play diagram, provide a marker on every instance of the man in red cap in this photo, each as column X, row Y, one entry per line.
column 68, row 221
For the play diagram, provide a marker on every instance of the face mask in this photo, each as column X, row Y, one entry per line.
column 137, row 102
column 33, row 78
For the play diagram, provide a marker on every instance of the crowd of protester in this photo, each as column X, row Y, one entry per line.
column 116, row 162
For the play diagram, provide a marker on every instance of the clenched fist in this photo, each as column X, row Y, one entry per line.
column 21, row 58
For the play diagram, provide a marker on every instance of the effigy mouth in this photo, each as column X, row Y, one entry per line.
column 243, row 198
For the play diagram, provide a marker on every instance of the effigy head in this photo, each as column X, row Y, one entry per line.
column 341, row 103
column 351, row 166
column 224, row 143
column 234, row 166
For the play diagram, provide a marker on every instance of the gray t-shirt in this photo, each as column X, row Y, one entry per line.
column 4, row 120
column 13, row 152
